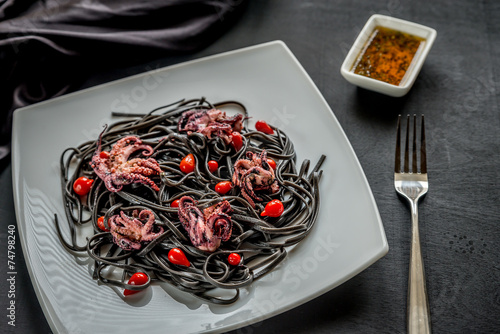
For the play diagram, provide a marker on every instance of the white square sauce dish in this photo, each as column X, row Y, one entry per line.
column 387, row 55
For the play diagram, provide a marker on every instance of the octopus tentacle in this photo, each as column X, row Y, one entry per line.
column 247, row 197
column 130, row 233
column 248, row 186
column 128, row 145
column 108, row 182
column 254, row 174
column 221, row 224
column 210, row 122
column 149, row 163
column 116, row 170
column 127, row 178
column 206, row 230
column 148, row 226
column 236, row 122
column 263, row 160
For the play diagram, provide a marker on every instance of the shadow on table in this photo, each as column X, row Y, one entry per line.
column 375, row 105
column 4, row 157
column 321, row 314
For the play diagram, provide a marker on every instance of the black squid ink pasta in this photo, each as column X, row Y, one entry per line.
column 138, row 204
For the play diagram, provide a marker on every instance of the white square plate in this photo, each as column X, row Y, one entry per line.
column 411, row 28
column 347, row 238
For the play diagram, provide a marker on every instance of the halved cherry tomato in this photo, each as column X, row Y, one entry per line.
column 271, row 163
column 177, row 256
column 237, row 140
column 273, row 209
column 100, row 224
column 187, row 164
column 82, row 185
column 174, row 204
column 234, row 259
column 136, row 279
column 223, row 187
column 104, row 155
column 262, row 126
column 213, row 166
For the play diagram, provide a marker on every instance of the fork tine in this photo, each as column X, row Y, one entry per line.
column 407, row 146
column 397, row 164
column 423, row 151
column 414, row 148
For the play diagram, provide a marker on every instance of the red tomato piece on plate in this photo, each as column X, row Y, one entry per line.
column 271, row 163
column 104, row 155
column 223, row 187
column 188, row 164
column 177, row 256
column 213, row 166
column 236, row 140
column 273, row 209
column 262, row 126
column 234, row 259
column 100, row 224
column 82, row 185
column 136, row 279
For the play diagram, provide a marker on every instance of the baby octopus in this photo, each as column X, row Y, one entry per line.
column 211, row 122
column 131, row 232
column 116, row 170
column 254, row 175
column 206, row 230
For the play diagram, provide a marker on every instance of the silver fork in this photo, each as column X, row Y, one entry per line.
column 412, row 184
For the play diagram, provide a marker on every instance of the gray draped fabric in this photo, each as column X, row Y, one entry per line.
column 48, row 47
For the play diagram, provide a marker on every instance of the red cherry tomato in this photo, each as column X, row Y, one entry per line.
column 273, row 209
column 234, row 259
column 213, row 166
column 104, row 155
column 174, row 204
column 237, row 140
column 271, row 163
column 177, row 256
column 187, row 164
column 223, row 187
column 82, row 185
column 136, row 279
column 264, row 127
column 100, row 224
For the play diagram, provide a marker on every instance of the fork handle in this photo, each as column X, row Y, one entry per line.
column 418, row 305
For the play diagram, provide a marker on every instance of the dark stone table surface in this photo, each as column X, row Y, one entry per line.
column 457, row 90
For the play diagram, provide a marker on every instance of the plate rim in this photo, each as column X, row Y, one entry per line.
column 51, row 318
